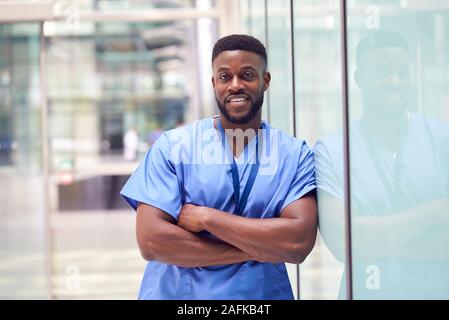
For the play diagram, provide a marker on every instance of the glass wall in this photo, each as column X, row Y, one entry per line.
column 254, row 21
column 317, row 58
column 398, row 139
column 22, row 226
column 399, row 151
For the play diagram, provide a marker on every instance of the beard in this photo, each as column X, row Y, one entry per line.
column 255, row 108
column 379, row 103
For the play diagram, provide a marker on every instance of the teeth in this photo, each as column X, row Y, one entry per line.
column 237, row 100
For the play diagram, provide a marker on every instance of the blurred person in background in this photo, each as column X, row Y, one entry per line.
column 130, row 144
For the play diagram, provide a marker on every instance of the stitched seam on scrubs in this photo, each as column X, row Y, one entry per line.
column 189, row 285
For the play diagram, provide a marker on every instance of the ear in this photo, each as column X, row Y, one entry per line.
column 266, row 80
column 213, row 82
column 358, row 79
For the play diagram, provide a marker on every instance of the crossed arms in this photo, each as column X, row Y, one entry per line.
column 408, row 234
column 288, row 238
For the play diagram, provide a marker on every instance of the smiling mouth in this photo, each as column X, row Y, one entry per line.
column 394, row 98
column 237, row 99
column 237, row 103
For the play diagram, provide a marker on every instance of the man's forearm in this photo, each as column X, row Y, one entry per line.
column 270, row 240
column 174, row 245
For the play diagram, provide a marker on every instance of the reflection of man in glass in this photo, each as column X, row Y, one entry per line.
column 399, row 183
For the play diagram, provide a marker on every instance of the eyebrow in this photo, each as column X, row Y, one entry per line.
column 245, row 67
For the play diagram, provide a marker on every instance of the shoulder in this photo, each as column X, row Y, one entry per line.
column 437, row 127
column 329, row 145
column 176, row 145
column 183, row 134
column 286, row 144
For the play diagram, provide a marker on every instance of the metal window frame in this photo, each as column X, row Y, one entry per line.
column 346, row 150
column 292, row 52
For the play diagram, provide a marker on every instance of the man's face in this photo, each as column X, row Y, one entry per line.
column 384, row 78
column 239, row 82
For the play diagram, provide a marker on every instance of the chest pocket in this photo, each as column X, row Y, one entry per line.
column 267, row 197
column 207, row 185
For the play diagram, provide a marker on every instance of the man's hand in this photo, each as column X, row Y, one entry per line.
column 191, row 217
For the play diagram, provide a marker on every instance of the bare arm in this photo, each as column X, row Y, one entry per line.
column 289, row 238
column 162, row 240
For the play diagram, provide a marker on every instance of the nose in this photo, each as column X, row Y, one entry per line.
column 394, row 79
column 236, row 84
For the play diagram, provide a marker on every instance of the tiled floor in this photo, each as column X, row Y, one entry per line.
column 95, row 256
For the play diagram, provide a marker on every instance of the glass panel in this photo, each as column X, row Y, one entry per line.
column 22, row 247
column 254, row 23
column 280, row 98
column 399, row 148
column 280, row 65
column 319, row 121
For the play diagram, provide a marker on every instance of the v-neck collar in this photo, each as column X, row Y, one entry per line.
column 248, row 152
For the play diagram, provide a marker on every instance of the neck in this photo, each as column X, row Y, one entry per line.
column 254, row 123
column 389, row 130
column 387, row 125
column 238, row 140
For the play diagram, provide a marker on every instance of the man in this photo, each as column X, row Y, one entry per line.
column 224, row 202
column 399, row 167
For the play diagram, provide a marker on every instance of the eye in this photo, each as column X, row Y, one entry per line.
column 223, row 77
column 381, row 72
column 248, row 75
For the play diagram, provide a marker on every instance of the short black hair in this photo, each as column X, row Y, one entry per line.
column 240, row 42
column 379, row 40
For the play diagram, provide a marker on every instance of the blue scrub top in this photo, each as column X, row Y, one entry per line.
column 189, row 165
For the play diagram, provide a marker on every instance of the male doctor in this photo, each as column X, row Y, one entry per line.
column 224, row 202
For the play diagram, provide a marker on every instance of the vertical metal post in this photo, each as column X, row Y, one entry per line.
column 292, row 44
column 346, row 157
column 45, row 163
